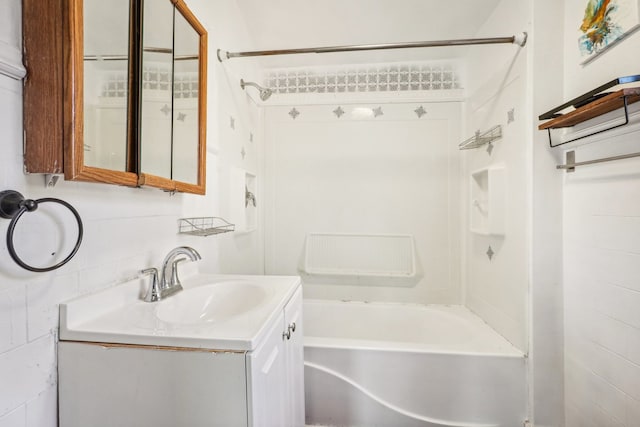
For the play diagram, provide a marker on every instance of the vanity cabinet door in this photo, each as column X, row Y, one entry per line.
column 294, row 351
column 108, row 385
column 266, row 376
column 275, row 372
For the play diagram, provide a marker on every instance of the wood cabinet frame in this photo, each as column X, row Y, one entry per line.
column 54, row 103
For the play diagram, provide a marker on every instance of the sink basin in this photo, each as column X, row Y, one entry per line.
column 218, row 312
column 211, row 303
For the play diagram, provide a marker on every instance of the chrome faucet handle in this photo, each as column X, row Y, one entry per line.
column 168, row 267
column 175, row 280
column 153, row 294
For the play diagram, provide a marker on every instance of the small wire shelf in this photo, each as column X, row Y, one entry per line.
column 480, row 139
column 205, row 226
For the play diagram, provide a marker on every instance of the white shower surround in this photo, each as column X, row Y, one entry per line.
column 385, row 364
column 355, row 168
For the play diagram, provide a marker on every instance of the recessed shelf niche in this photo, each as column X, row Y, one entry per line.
column 487, row 210
column 244, row 200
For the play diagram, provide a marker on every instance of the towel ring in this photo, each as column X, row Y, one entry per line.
column 13, row 205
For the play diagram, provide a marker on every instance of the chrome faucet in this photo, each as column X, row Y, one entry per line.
column 169, row 282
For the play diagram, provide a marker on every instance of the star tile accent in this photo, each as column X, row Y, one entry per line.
column 420, row 111
column 166, row 109
column 181, row 117
column 490, row 253
column 294, row 113
column 511, row 116
column 338, row 112
column 490, row 148
column 232, row 122
column 243, row 153
column 378, row 112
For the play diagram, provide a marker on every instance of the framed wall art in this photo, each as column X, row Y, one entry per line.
column 605, row 23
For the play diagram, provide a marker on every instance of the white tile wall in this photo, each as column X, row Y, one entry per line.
column 13, row 318
column 26, row 371
column 602, row 289
column 15, row 418
column 43, row 297
column 42, row 411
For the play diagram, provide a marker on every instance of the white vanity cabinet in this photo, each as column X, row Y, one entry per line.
column 131, row 385
column 275, row 372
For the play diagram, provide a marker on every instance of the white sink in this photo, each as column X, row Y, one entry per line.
column 211, row 303
column 222, row 312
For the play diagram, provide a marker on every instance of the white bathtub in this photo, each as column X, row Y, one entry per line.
column 397, row 365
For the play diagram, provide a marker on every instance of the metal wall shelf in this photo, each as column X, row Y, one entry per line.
column 205, row 226
column 480, row 139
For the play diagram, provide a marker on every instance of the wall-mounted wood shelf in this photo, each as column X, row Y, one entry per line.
column 600, row 106
column 593, row 104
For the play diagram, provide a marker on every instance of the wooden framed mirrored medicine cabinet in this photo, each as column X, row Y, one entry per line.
column 116, row 92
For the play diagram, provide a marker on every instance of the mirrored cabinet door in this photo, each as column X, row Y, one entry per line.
column 173, row 107
column 76, row 94
column 157, row 83
column 186, row 92
column 106, row 84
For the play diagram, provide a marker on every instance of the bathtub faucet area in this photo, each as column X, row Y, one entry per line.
column 169, row 282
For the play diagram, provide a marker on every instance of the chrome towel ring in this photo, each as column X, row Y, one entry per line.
column 13, row 205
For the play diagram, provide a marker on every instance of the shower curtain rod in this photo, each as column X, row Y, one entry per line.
column 520, row 40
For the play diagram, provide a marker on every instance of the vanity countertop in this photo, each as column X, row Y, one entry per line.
column 219, row 312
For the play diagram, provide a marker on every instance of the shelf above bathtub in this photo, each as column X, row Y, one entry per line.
column 480, row 139
column 362, row 255
column 204, row 226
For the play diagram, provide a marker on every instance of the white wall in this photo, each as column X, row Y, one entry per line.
column 601, row 253
column 392, row 174
column 497, row 288
column 546, row 325
column 125, row 229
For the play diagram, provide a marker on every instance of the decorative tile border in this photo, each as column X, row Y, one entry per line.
column 185, row 85
column 372, row 78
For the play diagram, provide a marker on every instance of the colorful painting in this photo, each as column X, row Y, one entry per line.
column 606, row 22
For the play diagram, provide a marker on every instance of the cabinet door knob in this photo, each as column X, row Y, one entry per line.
column 287, row 334
column 292, row 327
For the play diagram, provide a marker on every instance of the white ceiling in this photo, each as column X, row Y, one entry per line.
column 279, row 24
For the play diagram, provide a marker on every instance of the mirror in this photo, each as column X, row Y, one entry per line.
column 172, row 110
column 157, row 84
column 185, row 101
column 106, row 83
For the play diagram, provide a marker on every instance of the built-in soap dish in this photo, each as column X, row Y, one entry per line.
column 488, row 201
